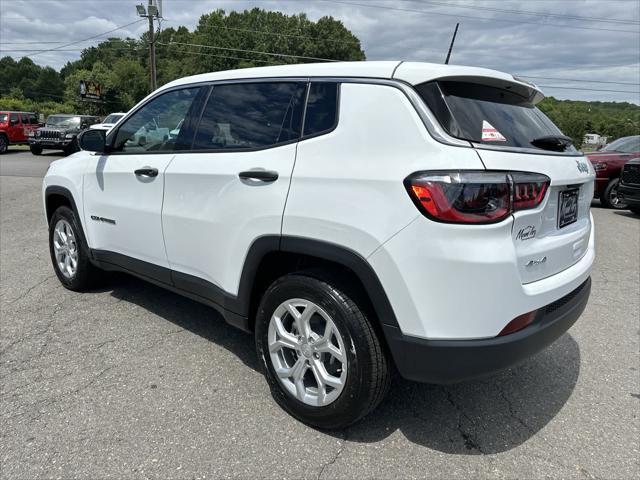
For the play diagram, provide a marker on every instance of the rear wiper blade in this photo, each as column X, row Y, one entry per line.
column 556, row 143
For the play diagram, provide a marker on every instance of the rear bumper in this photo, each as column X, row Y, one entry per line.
column 451, row 361
column 630, row 194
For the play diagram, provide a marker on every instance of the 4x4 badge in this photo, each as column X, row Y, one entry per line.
column 582, row 166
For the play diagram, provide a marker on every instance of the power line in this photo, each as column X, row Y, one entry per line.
column 228, row 56
column 429, row 12
column 587, row 89
column 86, row 39
column 529, row 12
column 250, row 51
column 577, row 80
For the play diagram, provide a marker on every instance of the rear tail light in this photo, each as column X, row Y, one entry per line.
column 475, row 197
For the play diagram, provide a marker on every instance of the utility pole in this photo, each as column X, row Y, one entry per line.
column 152, row 48
column 150, row 12
column 453, row 39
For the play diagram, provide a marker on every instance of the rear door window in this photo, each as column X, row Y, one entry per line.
column 251, row 115
column 487, row 115
column 322, row 108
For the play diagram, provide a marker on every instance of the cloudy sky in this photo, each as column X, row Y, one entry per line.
column 577, row 49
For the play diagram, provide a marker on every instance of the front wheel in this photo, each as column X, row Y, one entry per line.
column 73, row 147
column 322, row 358
column 611, row 196
column 4, row 144
column 35, row 149
column 69, row 251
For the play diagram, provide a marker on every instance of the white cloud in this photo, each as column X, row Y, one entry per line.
column 543, row 49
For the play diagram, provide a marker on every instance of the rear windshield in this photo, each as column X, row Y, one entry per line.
column 487, row 115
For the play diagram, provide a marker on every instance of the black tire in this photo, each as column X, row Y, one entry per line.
column 368, row 368
column 4, row 144
column 35, row 149
column 635, row 210
column 73, row 147
column 86, row 274
column 610, row 198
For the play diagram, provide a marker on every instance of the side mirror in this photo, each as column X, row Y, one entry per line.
column 83, row 125
column 13, row 121
column 93, row 140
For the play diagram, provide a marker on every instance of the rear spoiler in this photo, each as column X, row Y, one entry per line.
column 521, row 87
column 416, row 73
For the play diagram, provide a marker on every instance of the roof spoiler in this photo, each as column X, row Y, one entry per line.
column 514, row 84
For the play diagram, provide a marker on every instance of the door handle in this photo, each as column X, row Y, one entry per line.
column 262, row 175
column 146, row 172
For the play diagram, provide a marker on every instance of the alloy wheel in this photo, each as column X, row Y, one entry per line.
column 65, row 247
column 615, row 200
column 307, row 352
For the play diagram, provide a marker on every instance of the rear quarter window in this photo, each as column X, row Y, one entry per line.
column 322, row 108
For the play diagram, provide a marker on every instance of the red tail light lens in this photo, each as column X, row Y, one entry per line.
column 475, row 197
column 518, row 323
column 529, row 189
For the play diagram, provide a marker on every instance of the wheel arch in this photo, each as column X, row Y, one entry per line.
column 55, row 197
column 272, row 257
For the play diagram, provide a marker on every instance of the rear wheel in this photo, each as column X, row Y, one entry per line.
column 35, row 149
column 323, row 361
column 69, row 251
column 4, row 144
column 611, row 197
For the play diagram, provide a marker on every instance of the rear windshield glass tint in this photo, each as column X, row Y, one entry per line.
column 321, row 108
column 487, row 115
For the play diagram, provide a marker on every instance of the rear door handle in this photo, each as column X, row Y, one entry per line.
column 146, row 172
column 263, row 175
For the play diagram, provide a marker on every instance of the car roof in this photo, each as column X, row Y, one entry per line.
column 410, row 72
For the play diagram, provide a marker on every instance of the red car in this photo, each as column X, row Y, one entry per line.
column 15, row 128
column 608, row 163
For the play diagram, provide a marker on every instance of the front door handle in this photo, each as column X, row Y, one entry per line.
column 262, row 175
column 146, row 172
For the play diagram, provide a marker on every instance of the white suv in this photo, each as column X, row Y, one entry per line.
column 357, row 217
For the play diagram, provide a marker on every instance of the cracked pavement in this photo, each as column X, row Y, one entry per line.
column 130, row 381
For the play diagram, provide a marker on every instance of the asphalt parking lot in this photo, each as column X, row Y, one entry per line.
column 130, row 381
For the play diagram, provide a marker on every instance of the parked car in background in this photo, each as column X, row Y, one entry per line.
column 629, row 188
column 15, row 128
column 109, row 121
column 608, row 163
column 60, row 132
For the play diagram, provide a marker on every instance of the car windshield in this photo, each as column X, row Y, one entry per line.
column 491, row 116
column 113, row 118
column 3, row 117
column 63, row 121
column 625, row 144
